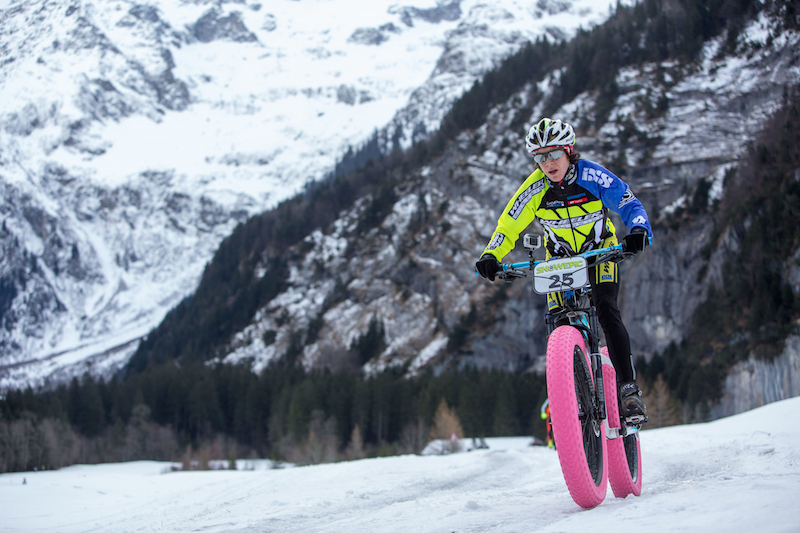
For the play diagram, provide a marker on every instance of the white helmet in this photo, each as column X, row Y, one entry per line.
column 549, row 132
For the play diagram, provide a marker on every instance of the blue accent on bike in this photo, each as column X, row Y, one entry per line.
column 531, row 264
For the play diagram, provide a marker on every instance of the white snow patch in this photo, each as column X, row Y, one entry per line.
column 722, row 476
column 428, row 353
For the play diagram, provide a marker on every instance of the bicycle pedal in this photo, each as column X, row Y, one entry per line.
column 636, row 420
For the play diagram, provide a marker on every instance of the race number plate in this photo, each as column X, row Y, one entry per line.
column 560, row 275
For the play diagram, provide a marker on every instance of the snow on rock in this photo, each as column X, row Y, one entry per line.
column 134, row 138
column 414, row 270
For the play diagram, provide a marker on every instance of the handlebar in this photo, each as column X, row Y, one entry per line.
column 612, row 251
column 513, row 270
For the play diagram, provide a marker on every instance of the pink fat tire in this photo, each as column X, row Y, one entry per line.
column 619, row 473
column 567, row 430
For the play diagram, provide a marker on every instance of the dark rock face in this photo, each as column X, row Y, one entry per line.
column 417, row 261
column 368, row 36
column 172, row 93
column 434, row 15
column 100, row 99
column 211, row 27
column 373, row 36
column 27, row 299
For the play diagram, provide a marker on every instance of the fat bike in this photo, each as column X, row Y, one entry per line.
column 595, row 445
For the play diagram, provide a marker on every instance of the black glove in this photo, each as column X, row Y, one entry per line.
column 487, row 266
column 635, row 241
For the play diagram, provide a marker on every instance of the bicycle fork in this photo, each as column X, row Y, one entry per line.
column 593, row 341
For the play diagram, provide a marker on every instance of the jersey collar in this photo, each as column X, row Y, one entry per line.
column 569, row 178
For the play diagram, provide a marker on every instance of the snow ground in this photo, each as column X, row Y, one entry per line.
column 734, row 474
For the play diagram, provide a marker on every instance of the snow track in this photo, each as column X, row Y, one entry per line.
column 735, row 474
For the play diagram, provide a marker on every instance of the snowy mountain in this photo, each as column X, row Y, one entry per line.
column 412, row 271
column 735, row 474
column 135, row 137
column 395, row 266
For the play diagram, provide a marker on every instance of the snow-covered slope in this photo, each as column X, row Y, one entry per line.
column 734, row 474
column 413, row 270
column 134, row 137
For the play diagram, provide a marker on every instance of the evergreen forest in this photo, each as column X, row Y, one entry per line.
column 219, row 411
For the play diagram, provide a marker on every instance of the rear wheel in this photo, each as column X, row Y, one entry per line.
column 624, row 453
column 578, row 432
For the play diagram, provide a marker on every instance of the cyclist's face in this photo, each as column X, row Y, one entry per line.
column 555, row 170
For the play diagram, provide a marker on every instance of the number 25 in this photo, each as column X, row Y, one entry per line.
column 564, row 280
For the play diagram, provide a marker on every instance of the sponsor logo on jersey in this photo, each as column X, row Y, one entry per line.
column 639, row 220
column 573, row 222
column 592, row 174
column 496, row 241
column 575, row 200
column 606, row 277
column 627, row 198
column 554, row 203
column 525, row 197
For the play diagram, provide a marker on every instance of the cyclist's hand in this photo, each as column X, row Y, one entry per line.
column 636, row 240
column 487, row 266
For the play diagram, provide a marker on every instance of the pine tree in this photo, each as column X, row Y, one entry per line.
column 505, row 417
column 86, row 410
column 662, row 408
column 355, row 448
column 372, row 343
column 447, row 426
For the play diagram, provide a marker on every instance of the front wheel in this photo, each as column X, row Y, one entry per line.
column 624, row 453
column 578, row 432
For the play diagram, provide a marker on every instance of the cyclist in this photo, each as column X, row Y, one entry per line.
column 548, row 426
column 570, row 198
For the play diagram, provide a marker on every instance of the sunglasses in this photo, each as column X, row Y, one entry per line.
column 541, row 158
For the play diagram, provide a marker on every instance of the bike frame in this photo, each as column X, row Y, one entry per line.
column 583, row 317
column 580, row 314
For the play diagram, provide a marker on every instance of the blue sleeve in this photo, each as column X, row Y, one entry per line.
column 614, row 193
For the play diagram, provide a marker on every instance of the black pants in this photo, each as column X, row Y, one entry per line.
column 604, row 280
column 604, row 298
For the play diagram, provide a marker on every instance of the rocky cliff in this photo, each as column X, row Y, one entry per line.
column 412, row 271
column 757, row 382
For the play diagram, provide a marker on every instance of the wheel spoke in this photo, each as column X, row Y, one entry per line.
column 584, row 391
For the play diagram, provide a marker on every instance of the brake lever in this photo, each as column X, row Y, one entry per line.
column 509, row 276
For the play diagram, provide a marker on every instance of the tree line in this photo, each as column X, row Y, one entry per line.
column 280, row 413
